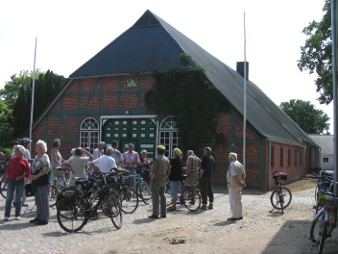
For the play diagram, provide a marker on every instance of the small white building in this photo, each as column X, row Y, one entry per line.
column 326, row 144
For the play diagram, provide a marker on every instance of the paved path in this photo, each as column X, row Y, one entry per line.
column 182, row 231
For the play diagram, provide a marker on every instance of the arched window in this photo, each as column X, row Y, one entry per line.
column 169, row 135
column 89, row 133
column 129, row 83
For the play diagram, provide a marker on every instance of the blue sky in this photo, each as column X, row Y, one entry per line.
column 71, row 32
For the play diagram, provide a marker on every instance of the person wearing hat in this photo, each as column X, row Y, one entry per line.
column 206, row 179
column 175, row 177
column 25, row 143
column 17, row 170
column 158, row 177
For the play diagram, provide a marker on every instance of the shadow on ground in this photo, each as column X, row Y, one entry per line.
column 293, row 238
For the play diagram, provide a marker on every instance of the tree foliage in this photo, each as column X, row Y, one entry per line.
column 47, row 86
column 9, row 94
column 316, row 54
column 194, row 102
column 308, row 118
column 6, row 129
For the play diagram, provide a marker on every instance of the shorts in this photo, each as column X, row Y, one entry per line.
column 192, row 179
column 174, row 188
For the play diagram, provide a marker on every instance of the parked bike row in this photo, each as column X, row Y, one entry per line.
column 326, row 206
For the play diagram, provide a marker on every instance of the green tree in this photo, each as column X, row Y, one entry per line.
column 9, row 94
column 316, row 54
column 303, row 113
column 6, row 129
column 47, row 86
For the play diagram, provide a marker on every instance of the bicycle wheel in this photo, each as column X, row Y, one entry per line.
column 114, row 205
column 72, row 210
column 322, row 239
column 281, row 199
column 3, row 187
column 316, row 227
column 316, row 199
column 53, row 195
column 144, row 192
column 129, row 199
column 191, row 198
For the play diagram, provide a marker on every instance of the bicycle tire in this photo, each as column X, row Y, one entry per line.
column 114, row 205
column 322, row 239
column 315, row 230
column 281, row 201
column 144, row 192
column 129, row 199
column 53, row 197
column 72, row 210
column 318, row 207
column 3, row 187
column 191, row 198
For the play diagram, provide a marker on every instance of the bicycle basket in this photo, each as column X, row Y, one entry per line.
column 328, row 199
column 282, row 175
column 66, row 200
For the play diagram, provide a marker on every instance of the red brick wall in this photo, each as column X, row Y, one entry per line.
column 84, row 96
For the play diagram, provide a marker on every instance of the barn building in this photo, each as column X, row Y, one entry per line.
column 104, row 100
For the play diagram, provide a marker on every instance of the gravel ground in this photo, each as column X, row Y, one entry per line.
column 261, row 231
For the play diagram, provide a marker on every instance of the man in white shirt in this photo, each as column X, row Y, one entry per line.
column 99, row 150
column 106, row 163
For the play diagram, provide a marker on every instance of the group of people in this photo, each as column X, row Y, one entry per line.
column 41, row 171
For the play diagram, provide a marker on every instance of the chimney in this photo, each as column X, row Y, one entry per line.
column 240, row 69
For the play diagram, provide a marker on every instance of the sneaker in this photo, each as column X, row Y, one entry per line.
column 17, row 217
column 210, row 206
column 203, row 207
column 6, row 219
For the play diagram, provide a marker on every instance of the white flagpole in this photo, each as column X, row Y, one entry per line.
column 334, row 35
column 244, row 117
column 33, row 92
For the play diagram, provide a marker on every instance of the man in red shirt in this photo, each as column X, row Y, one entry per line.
column 17, row 170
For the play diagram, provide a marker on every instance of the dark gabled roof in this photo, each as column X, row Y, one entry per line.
column 144, row 47
column 151, row 45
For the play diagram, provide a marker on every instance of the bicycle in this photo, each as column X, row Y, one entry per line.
column 3, row 178
column 142, row 188
column 324, row 184
column 281, row 196
column 60, row 182
column 3, row 166
column 325, row 220
column 75, row 206
column 128, row 195
column 189, row 196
